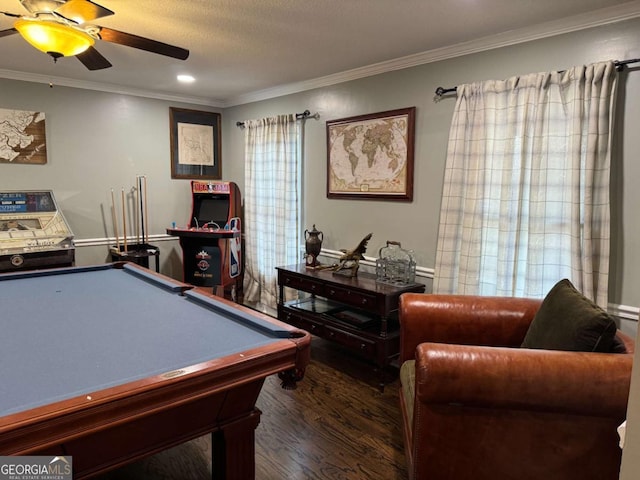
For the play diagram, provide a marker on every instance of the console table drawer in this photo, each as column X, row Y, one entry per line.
column 303, row 323
column 356, row 299
column 364, row 346
column 304, row 284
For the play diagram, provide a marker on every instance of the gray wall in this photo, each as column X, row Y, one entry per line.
column 97, row 142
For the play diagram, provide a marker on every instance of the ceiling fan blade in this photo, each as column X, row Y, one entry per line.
column 34, row 6
column 93, row 60
column 7, row 32
column 14, row 15
column 121, row 38
column 81, row 11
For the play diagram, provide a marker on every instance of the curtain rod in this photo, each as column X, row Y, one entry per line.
column 619, row 64
column 300, row 116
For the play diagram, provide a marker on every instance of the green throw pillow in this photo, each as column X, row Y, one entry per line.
column 567, row 320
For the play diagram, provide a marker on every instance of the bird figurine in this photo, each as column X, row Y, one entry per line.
column 349, row 262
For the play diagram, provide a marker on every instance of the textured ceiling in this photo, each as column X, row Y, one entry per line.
column 243, row 48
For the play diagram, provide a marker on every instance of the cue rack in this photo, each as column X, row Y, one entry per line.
column 139, row 251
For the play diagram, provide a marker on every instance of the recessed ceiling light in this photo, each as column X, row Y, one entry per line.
column 186, row 78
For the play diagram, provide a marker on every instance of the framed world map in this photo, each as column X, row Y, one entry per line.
column 371, row 156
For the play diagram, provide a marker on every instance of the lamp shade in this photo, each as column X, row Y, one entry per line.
column 56, row 39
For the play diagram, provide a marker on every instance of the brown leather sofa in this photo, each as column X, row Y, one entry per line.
column 477, row 407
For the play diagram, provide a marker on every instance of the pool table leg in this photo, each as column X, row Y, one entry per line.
column 233, row 449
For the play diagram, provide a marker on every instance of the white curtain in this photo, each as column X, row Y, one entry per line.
column 271, row 203
column 526, row 188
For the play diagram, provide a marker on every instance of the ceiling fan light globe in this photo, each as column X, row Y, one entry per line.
column 56, row 39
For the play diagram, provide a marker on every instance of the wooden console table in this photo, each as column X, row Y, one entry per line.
column 358, row 313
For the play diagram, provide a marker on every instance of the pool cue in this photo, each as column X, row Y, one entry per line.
column 141, row 209
column 124, row 223
column 114, row 217
column 137, row 197
column 146, row 211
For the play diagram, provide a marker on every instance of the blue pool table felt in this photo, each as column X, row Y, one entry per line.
column 75, row 333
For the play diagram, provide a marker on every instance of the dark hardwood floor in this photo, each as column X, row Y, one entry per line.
column 336, row 425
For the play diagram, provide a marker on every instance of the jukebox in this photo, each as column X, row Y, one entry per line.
column 33, row 232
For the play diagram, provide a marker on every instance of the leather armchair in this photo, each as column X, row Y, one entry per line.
column 476, row 406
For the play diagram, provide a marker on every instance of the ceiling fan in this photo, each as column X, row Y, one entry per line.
column 59, row 28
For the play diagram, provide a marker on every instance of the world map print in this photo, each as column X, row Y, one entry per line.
column 369, row 156
column 22, row 137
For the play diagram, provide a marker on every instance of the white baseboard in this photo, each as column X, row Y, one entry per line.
column 99, row 242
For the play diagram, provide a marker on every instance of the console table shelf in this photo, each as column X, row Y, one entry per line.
column 355, row 312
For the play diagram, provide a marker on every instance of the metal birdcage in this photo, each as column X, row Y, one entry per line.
column 395, row 265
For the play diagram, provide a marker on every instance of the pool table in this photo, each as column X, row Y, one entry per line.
column 112, row 363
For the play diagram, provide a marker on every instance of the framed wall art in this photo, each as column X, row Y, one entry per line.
column 371, row 156
column 195, row 144
column 23, row 138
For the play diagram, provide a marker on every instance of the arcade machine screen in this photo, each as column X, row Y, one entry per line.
column 212, row 210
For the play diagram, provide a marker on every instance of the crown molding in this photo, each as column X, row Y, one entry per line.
column 619, row 13
column 106, row 87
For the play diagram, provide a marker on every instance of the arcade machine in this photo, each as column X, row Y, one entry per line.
column 211, row 242
column 33, row 232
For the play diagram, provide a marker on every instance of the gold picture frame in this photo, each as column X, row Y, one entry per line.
column 371, row 156
column 195, row 144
